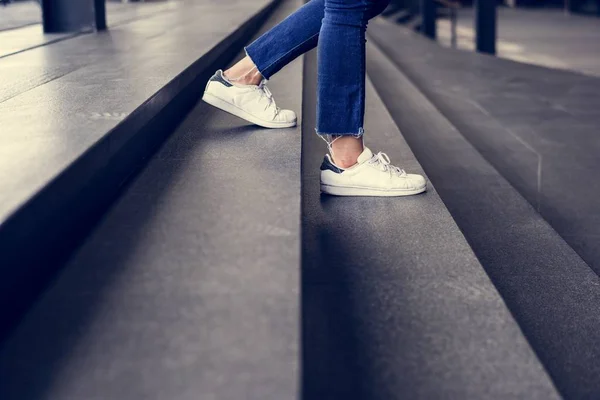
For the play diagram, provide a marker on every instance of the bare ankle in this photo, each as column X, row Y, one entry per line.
column 244, row 72
column 345, row 162
column 345, row 150
column 244, row 80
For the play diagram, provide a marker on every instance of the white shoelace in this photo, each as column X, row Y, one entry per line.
column 264, row 91
column 262, row 87
column 383, row 160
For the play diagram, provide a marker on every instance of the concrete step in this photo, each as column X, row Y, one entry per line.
column 188, row 288
column 395, row 303
column 69, row 142
column 19, row 14
column 30, row 35
column 552, row 293
column 537, row 126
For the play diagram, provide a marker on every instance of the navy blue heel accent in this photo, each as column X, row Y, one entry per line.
column 326, row 164
column 218, row 77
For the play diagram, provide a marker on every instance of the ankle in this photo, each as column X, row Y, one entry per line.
column 345, row 162
column 243, row 80
column 345, row 150
column 244, row 72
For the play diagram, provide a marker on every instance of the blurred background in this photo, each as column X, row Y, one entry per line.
column 554, row 33
column 560, row 34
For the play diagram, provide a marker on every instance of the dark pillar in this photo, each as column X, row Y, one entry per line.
column 414, row 6
column 485, row 26
column 453, row 34
column 67, row 15
column 100, row 12
column 428, row 12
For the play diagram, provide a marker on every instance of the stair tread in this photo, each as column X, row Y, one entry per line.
column 28, row 32
column 397, row 278
column 537, row 126
column 552, row 293
column 76, row 91
column 189, row 285
column 69, row 142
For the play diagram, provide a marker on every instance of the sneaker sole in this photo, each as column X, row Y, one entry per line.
column 238, row 112
column 358, row 191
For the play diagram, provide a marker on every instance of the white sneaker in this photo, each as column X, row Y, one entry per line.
column 372, row 175
column 254, row 103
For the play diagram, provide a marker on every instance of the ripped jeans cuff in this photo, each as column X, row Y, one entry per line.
column 329, row 138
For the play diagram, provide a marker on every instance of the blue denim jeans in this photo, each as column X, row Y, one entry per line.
column 338, row 28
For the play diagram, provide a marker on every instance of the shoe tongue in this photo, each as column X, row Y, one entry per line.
column 366, row 155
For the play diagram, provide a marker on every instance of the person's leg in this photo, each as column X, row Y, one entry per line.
column 341, row 78
column 241, row 90
column 351, row 169
column 292, row 37
column 346, row 23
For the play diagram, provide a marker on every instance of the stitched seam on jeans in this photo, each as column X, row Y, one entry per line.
column 289, row 51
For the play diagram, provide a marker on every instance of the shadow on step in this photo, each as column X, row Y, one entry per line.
column 340, row 346
column 344, row 301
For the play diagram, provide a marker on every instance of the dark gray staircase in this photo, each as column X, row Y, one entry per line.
column 81, row 117
column 480, row 168
column 188, row 286
column 182, row 253
column 395, row 303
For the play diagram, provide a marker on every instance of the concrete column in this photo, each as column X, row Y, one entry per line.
column 71, row 15
column 485, row 26
column 429, row 14
column 100, row 13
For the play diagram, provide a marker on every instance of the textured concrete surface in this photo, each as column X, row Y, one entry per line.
column 189, row 287
column 19, row 14
column 546, row 37
column 29, row 34
column 395, row 303
column 537, row 126
column 16, row 40
column 62, row 174
column 24, row 13
column 551, row 291
column 78, row 90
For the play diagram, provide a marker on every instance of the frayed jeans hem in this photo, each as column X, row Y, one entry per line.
column 357, row 135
